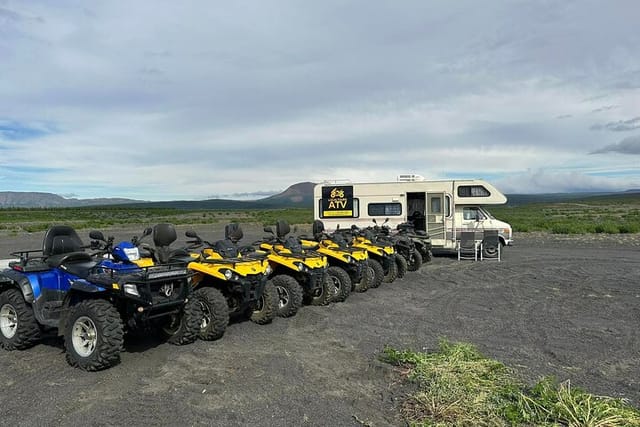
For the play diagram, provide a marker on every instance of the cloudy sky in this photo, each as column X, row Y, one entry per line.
column 163, row 100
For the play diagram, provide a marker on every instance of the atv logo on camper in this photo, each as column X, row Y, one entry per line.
column 337, row 202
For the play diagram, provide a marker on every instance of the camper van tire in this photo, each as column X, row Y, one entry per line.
column 289, row 295
column 491, row 251
column 341, row 282
column 415, row 261
column 401, row 263
column 392, row 272
column 378, row 273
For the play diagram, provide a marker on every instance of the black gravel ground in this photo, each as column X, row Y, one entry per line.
column 563, row 306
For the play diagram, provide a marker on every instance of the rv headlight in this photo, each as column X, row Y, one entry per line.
column 131, row 289
column 228, row 274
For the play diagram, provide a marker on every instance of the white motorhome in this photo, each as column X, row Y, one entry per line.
column 442, row 208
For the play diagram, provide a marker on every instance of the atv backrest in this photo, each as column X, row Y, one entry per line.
column 282, row 228
column 318, row 227
column 61, row 239
column 233, row 232
column 163, row 236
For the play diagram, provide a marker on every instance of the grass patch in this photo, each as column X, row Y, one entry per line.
column 101, row 217
column 613, row 215
column 458, row 386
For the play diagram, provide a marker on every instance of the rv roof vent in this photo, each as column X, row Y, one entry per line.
column 408, row 177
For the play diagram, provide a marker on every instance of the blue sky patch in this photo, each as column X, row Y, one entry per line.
column 11, row 130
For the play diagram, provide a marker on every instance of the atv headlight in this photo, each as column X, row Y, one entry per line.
column 228, row 274
column 348, row 258
column 131, row 289
column 301, row 266
column 269, row 270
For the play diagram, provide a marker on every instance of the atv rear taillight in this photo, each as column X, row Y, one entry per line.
column 17, row 267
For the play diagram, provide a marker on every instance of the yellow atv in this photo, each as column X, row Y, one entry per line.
column 298, row 273
column 348, row 266
column 382, row 257
column 222, row 270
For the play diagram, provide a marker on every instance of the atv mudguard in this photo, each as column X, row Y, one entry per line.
column 19, row 280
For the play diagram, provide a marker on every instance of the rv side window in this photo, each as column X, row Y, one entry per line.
column 473, row 191
column 384, row 209
column 436, row 205
column 447, row 206
column 472, row 214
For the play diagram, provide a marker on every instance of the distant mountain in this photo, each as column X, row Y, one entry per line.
column 15, row 199
column 298, row 195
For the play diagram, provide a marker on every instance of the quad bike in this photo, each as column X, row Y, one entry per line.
column 129, row 255
column 221, row 269
column 348, row 266
column 408, row 258
column 382, row 256
column 421, row 241
column 88, row 299
column 298, row 274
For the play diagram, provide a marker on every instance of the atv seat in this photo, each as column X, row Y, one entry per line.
column 63, row 248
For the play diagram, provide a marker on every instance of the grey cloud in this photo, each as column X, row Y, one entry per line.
column 629, row 145
column 564, row 116
column 605, row 108
column 619, row 126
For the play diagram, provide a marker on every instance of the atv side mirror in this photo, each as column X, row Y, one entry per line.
column 97, row 235
column 268, row 230
column 295, row 228
column 147, row 231
column 385, row 221
column 375, row 222
column 191, row 234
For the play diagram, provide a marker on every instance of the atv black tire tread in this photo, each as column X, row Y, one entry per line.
column 416, row 263
column 269, row 306
column 218, row 309
column 392, row 272
column 378, row 273
column 339, row 274
column 110, row 335
column 190, row 323
column 28, row 330
column 295, row 292
column 368, row 276
column 401, row 263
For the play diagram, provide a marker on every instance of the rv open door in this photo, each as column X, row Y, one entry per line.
column 437, row 212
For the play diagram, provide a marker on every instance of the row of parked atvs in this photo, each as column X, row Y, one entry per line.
column 92, row 295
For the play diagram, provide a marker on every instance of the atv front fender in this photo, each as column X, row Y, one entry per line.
column 21, row 281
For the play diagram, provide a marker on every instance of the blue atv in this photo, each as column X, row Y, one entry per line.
column 90, row 300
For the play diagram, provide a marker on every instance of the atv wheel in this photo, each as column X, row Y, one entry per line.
column 184, row 327
column 322, row 295
column 378, row 272
column 392, row 272
column 341, row 283
column 266, row 307
column 401, row 263
column 215, row 313
column 368, row 275
column 93, row 335
column 415, row 261
column 18, row 326
column 289, row 295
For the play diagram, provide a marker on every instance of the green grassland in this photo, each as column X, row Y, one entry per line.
column 102, row 217
column 601, row 214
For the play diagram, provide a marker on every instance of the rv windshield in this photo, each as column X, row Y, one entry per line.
column 487, row 213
